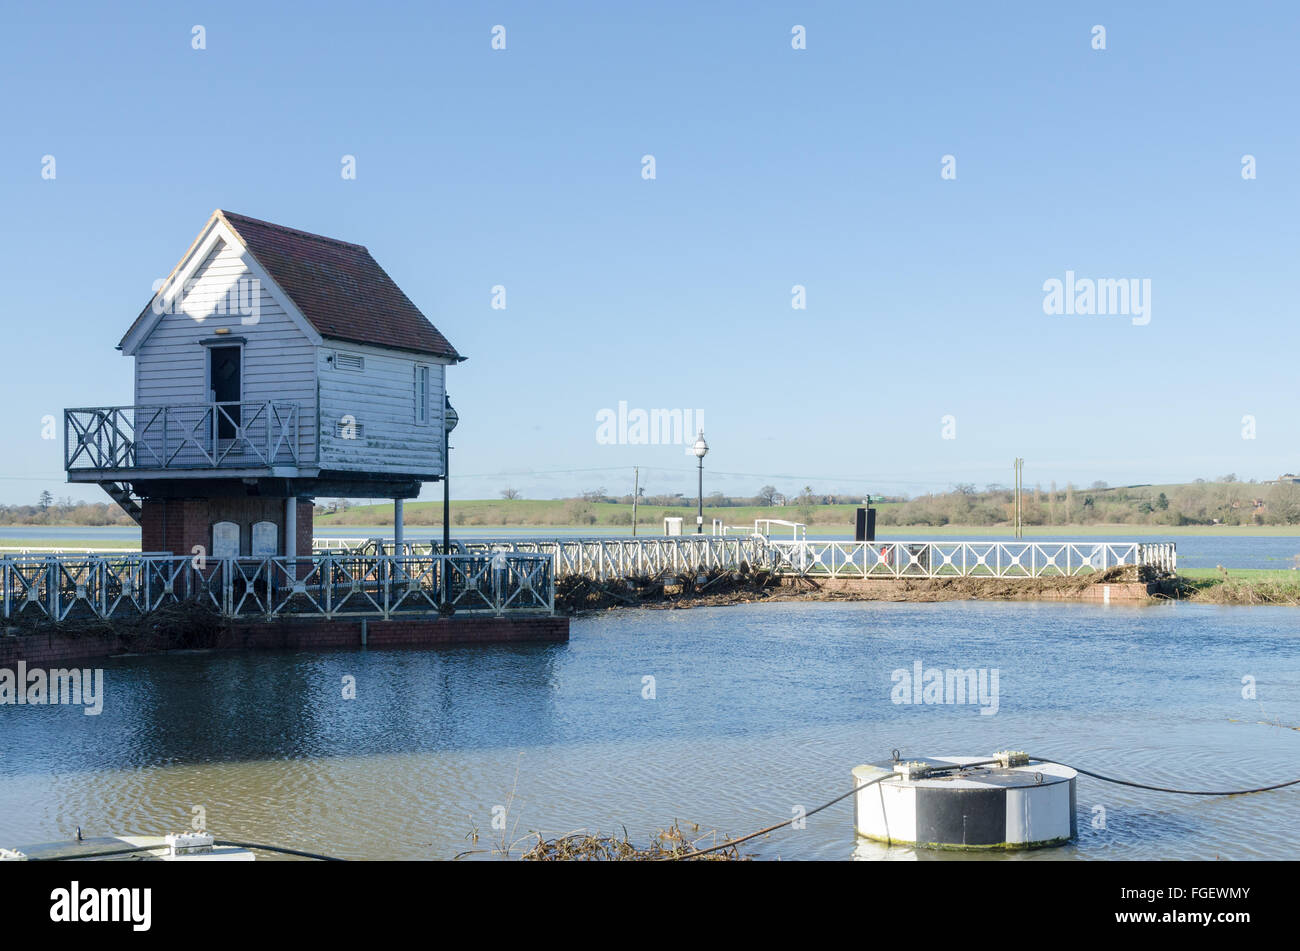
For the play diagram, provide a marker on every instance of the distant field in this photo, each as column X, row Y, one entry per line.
column 569, row 514
column 1113, row 531
column 575, row 517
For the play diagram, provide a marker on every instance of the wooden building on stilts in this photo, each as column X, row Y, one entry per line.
column 272, row 367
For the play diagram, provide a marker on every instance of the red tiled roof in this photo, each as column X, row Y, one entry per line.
column 340, row 288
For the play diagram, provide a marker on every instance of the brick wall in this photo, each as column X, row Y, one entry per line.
column 1028, row 589
column 177, row 525
column 305, row 526
column 54, row 650
column 298, row 633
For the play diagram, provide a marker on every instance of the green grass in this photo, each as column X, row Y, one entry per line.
column 1249, row 586
column 70, row 544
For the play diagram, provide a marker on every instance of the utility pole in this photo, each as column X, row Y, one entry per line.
column 1019, row 508
column 636, row 490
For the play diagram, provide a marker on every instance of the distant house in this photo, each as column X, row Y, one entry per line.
column 272, row 366
column 1288, row 477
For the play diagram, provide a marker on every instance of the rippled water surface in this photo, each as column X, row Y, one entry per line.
column 757, row 709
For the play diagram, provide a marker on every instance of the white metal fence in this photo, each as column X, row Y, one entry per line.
column 61, row 587
column 967, row 559
column 366, row 578
column 608, row 559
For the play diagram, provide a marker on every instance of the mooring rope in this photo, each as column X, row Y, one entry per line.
column 958, row 766
column 282, row 851
column 753, row 835
column 1165, row 789
column 107, row 853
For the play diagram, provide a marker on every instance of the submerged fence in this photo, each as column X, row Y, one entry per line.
column 63, row 587
column 609, row 559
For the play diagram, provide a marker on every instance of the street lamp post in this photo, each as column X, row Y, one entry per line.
column 450, row 419
column 700, row 449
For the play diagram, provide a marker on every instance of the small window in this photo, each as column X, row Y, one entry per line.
column 349, row 361
column 422, row 395
column 225, row 540
column 266, row 540
column 349, row 428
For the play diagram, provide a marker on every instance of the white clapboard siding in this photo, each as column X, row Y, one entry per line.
column 380, row 398
column 279, row 361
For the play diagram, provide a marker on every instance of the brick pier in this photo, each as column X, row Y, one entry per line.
column 54, row 650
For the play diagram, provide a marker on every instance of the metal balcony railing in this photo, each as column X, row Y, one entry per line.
column 245, row 435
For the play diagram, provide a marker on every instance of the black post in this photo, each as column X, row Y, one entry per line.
column 445, row 607
column 699, row 515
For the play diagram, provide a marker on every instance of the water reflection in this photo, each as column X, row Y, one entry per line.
column 756, row 710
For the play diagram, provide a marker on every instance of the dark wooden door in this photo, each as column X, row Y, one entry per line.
column 226, row 387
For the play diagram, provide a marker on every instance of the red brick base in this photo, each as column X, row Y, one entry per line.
column 178, row 525
column 1027, row 589
column 296, row 633
column 54, row 650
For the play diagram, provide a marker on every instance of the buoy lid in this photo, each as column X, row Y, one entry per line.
column 916, row 773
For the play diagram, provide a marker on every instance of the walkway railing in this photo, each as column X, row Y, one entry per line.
column 62, row 587
column 609, row 559
column 966, row 559
column 192, row 436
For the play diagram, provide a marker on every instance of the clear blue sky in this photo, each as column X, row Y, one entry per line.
column 775, row 167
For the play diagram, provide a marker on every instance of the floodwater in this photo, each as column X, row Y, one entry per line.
column 756, row 710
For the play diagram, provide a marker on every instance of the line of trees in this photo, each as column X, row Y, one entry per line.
column 767, row 496
column 64, row 511
column 1221, row 502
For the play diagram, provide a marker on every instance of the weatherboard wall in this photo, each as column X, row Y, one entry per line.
column 278, row 361
column 368, row 414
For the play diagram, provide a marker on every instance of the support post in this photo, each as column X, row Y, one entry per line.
column 291, row 532
column 399, row 527
column 444, row 601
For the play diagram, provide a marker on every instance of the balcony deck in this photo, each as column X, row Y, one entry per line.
column 257, row 438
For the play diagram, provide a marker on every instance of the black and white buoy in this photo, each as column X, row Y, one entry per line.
column 943, row 803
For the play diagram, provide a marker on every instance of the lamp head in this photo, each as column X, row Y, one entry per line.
column 451, row 417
